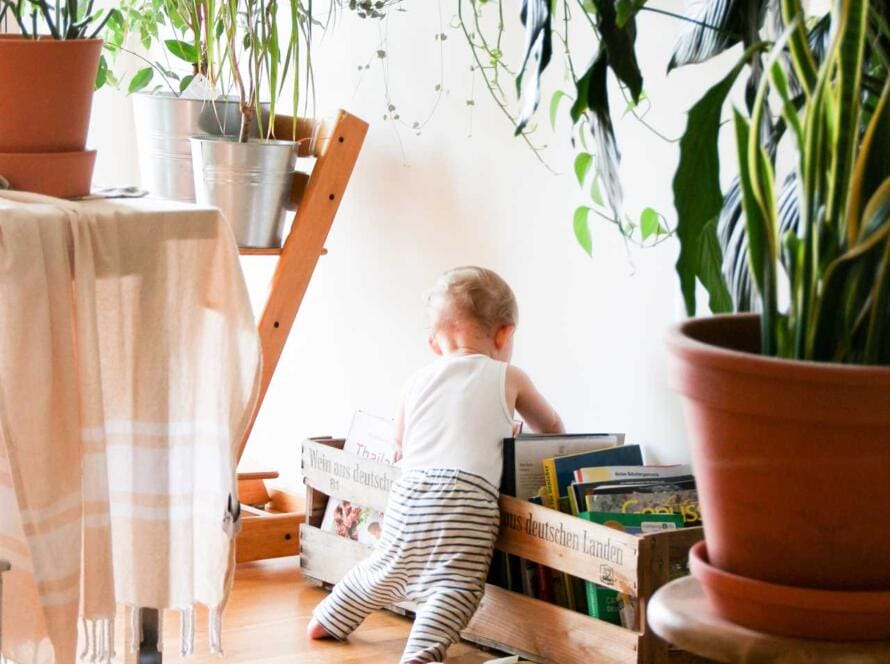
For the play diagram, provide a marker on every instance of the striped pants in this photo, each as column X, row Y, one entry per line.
column 435, row 549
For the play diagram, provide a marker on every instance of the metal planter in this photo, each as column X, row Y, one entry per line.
column 164, row 124
column 250, row 182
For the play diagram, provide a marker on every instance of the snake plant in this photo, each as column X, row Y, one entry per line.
column 71, row 19
column 837, row 260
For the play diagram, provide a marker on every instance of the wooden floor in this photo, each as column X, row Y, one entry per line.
column 266, row 620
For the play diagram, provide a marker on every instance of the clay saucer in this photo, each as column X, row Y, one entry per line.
column 790, row 610
column 59, row 174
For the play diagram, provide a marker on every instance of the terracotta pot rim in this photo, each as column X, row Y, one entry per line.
column 840, row 601
column 45, row 40
column 681, row 340
column 29, row 156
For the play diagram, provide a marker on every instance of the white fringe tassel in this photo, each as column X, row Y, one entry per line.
column 135, row 640
column 187, row 631
column 215, row 632
column 98, row 640
column 160, row 631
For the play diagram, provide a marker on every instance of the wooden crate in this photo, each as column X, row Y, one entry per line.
column 509, row 621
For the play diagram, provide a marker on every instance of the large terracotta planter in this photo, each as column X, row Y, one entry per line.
column 792, row 459
column 47, row 93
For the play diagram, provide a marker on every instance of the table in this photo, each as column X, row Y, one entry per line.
column 129, row 353
column 679, row 613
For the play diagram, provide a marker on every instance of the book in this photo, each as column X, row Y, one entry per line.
column 608, row 604
column 578, row 491
column 524, row 456
column 559, row 471
column 639, row 473
column 676, row 498
column 369, row 437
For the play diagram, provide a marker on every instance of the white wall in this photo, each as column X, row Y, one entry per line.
column 592, row 330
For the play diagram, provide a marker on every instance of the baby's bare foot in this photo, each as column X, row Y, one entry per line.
column 316, row 631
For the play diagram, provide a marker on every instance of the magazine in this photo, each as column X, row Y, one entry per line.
column 370, row 437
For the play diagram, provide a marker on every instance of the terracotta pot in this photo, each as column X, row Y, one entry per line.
column 792, row 459
column 59, row 174
column 47, row 92
column 789, row 611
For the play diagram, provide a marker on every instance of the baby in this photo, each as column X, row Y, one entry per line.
column 442, row 518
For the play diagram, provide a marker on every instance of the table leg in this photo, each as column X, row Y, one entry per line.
column 148, row 649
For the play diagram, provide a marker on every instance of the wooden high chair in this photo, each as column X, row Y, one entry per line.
column 272, row 519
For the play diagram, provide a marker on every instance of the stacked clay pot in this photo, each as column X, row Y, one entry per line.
column 45, row 108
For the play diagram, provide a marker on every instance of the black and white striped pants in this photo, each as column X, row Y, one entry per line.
column 438, row 535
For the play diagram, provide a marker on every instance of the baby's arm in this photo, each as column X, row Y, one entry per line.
column 524, row 397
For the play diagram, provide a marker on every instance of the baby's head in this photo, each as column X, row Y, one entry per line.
column 472, row 309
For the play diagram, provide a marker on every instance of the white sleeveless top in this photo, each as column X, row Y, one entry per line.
column 456, row 416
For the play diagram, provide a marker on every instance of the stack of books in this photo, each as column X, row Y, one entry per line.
column 599, row 478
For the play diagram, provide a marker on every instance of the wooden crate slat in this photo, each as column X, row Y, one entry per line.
column 540, row 631
column 581, row 548
column 345, row 476
column 327, row 557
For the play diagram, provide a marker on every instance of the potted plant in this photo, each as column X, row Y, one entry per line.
column 250, row 179
column 179, row 87
column 48, row 81
column 788, row 408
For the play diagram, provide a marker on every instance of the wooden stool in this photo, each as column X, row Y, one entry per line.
column 679, row 614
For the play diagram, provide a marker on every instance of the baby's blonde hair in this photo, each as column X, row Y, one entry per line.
column 472, row 293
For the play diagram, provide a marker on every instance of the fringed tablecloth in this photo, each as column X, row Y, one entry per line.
column 129, row 364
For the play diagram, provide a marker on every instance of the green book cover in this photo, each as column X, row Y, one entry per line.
column 607, row 604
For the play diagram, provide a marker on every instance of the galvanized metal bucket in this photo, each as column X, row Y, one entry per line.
column 250, row 182
column 164, row 124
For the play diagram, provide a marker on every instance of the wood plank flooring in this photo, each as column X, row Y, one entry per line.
column 266, row 621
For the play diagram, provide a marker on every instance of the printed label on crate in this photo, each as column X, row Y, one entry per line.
column 342, row 475
column 562, row 541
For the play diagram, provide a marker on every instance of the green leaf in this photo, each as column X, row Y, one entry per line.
column 732, row 19
column 697, row 195
column 141, row 79
column 582, row 229
column 182, row 50
column 649, row 223
column 583, row 162
column 102, row 73
column 557, row 97
column 595, row 192
column 710, row 260
column 851, row 49
column 536, row 19
column 619, row 46
column 593, row 95
column 626, row 10
column 760, row 247
column 185, row 82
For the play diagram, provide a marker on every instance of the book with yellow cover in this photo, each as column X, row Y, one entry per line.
column 559, row 471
